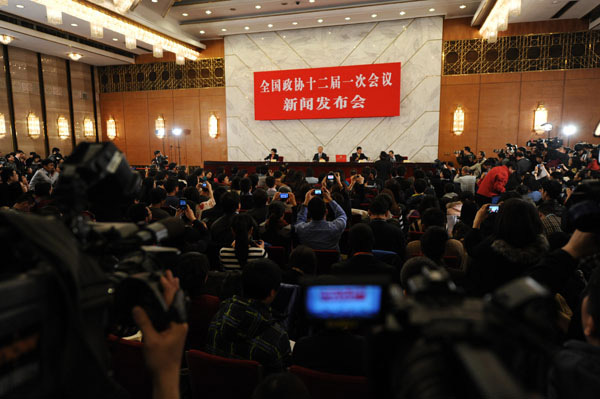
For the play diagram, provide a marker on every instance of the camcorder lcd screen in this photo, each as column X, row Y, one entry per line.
column 343, row 301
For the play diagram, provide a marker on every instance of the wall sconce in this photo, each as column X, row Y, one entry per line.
column 111, row 128
column 540, row 117
column 458, row 126
column 2, row 126
column 596, row 132
column 159, row 126
column 63, row 128
column 33, row 126
column 213, row 125
column 88, row 127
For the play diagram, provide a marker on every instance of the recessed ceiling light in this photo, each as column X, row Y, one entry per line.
column 223, row 30
column 402, row 12
column 431, row 9
column 75, row 56
column 270, row 25
column 155, row 1
column 373, row 15
column 185, row 14
column 320, row 21
column 202, row 32
column 258, row 7
column 208, row 12
column 311, row 1
column 20, row 6
column 294, row 23
column 462, row 6
column 347, row 18
column 115, row 39
column 247, row 27
column 74, row 25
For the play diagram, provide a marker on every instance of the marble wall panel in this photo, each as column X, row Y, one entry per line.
column 417, row 43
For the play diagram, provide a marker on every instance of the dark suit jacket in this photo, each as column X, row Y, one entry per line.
column 384, row 168
column 323, row 156
column 268, row 157
column 333, row 352
column 363, row 264
column 388, row 237
column 355, row 157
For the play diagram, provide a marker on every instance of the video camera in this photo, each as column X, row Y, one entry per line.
column 434, row 342
column 551, row 143
column 67, row 285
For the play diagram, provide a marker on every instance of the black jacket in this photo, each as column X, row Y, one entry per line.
column 355, row 157
column 388, row 237
column 364, row 264
column 575, row 372
column 384, row 168
column 324, row 156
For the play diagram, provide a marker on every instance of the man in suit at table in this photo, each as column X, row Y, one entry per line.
column 320, row 156
column 358, row 155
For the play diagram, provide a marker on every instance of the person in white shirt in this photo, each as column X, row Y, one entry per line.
column 466, row 180
column 45, row 174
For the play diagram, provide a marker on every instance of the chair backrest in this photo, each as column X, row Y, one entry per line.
column 452, row 262
column 325, row 259
column 201, row 312
column 277, row 255
column 286, row 302
column 216, row 377
column 415, row 235
column 332, row 386
column 341, row 158
column 129, row 367
column 280, row 158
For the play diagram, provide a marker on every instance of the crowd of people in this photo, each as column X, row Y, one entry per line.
column 486, row 222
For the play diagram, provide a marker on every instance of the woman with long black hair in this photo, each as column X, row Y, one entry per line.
column 243, row 249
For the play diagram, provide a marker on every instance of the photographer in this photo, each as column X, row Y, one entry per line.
column 465, row 157
column 494, row 183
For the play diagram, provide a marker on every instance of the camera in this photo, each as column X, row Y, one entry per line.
column 318, row 192
column 183, row 203
column 71, row 282
column 330, row 177
column 434, row 341
column 284, row 195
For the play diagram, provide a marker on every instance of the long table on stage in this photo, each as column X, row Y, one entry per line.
column 317, row 167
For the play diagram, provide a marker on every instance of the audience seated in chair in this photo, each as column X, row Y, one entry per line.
column 388, row 235
column 242, row 249
column 319, row 233
column 244, row 327
column 302, row 262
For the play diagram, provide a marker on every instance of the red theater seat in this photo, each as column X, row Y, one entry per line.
column 332, row 386
column 216, row 377
column 129, row 367
column 202, row 310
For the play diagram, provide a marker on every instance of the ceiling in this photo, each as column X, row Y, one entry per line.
column 194, row 21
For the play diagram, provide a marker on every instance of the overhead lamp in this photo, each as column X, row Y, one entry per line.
column 33, row 126
column 88, row 127
column 202, row 32
column 159, row 127
column 63, row 128
column 540, row 117
column 569, row 130
column 373, row 15
column 75, row 56
column 96, row 30
column 2, row 126
column 402, row 12
column 497, row 20
column 111, row 128
column 458, row 125
column 179, row 59
column 157, row 51
column 177, row 131
column 213, row 125
column 347, row 18
column 130, row 42
column 270, row 25
column 208, row 12
column 126, row 5
column 6, row 39
column 102, row 17
column 54, row 16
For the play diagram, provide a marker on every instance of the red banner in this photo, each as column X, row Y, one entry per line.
column 357, row 91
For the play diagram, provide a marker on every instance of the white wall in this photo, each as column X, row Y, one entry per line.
column 416, row 43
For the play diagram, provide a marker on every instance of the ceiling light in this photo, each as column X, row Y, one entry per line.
column 320, row 21
column 247, row 27
column 208, row 12
column 6, row 39
column 54, row 16
column 258, row 7
column 202, row 32
column 373, row 15
column 311, row 1
column 124, row 6
column 119, row 25
column 462, row 6
column 497, row 20
column 20, row 6
column 115, row 39
column 155, row 1
column 74, row 25
column 347, row 18
column 185, row 14
column 431, row 9
column 294, row 23
column 223, row 30
column 402, row 12
column 270, row 25
column 75, row 56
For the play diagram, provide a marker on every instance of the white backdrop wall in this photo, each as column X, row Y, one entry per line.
column 416, row 43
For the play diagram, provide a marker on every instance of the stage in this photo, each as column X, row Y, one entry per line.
column 317, row 167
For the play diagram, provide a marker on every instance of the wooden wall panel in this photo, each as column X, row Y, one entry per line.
column 57, row 101
column 582, row 108
column 186, row 114
column 498, row 115
column 467, row 96
column 135, row 107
